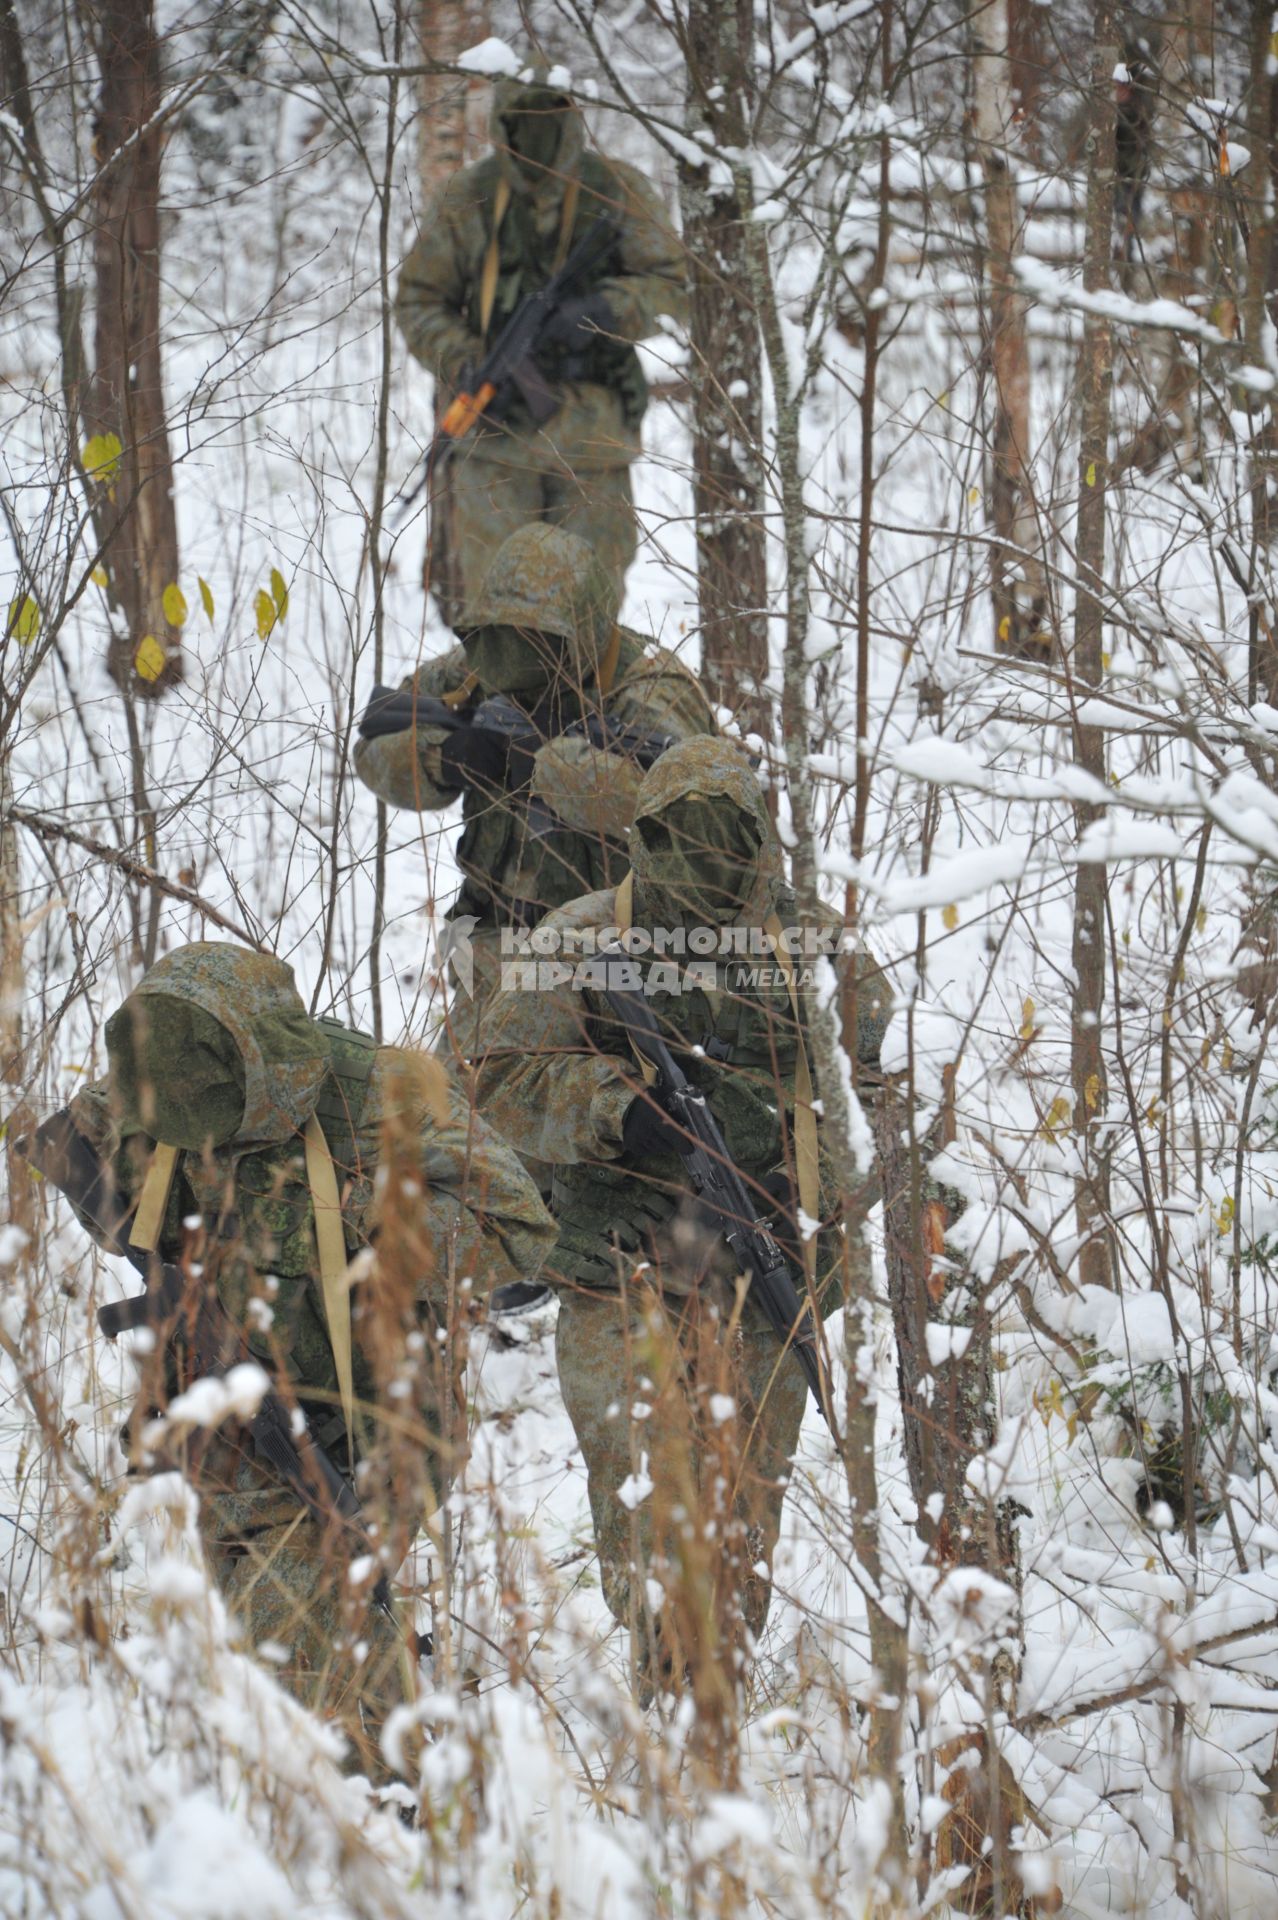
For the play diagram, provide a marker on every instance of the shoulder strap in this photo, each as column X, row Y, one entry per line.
column 331, row 1244
column 154, row 1198
column 492, row 258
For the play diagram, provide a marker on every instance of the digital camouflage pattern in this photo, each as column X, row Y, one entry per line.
column 517, row 866
column 573, row 471
column 474, row 1216
column 556, row 1075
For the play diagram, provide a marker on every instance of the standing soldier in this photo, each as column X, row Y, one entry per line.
column 676, row 1385
column 259, row 1152
column 495, row 234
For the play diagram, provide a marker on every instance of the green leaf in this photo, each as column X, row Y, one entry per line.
column 264, row 607
column 279, row 592
column 24, row 620
column 206, row 595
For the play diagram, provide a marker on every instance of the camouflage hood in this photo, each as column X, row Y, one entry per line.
column 703, row 846
column 214, row 1048
column 540, row 121
column 541, row 581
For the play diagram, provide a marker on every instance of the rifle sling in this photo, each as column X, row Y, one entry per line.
column 491, row 271
column 154, row 1198
column 806, row 1149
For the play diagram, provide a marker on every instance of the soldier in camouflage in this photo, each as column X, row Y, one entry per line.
column 214, row 1055
column 676, row 1386
column 496, row 233
column 535, row 835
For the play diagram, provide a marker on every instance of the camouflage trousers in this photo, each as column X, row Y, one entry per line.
column 687, row 1413
column 287, row 1583
column 488, row 500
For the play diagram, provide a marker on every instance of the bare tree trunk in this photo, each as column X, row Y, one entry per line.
column 1020, row 593
column 452, row 125
column 1095, row 373
column 127, row 397
column 727, row 376
column 1260, row 184
column 453, row 118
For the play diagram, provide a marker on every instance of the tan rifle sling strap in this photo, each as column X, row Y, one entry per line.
column 806, row 1150
column 490, row 273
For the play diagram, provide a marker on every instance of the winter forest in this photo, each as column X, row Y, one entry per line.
column 959, row 492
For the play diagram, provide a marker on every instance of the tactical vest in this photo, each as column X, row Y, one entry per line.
column 746, row 1053
column 526, row 261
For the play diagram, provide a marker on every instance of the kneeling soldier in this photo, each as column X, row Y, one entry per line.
column 686, row 1404
column 247, row 1154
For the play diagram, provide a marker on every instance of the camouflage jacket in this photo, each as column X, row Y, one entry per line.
column 474, row 1212
column 438, row 299
column 556, row 1074
column 564, row 835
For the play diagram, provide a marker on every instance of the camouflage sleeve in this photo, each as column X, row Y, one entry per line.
column 594, row 791
column 462, row 1193
column 434, row 290
column 497, row 1222
column 539, row 1082
column 403, row 768
column 651, row 279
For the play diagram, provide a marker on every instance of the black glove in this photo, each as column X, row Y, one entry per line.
column 474, row 757
column 577, row 322
column 390, row 710
column 648, row 1129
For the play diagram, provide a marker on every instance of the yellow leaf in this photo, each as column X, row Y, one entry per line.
column 1091, row 473
column 949, row 918
column 99, row 578
column 1005, row 626
column 1225, row 1218
column 943, row 401
column 1027, row 1018
column 150, row 659
column 264, row 607
column 1226, row 1057
column 173, row 600
column 1056, row 1118
column 206, row 595
column 279, row 593
column 24, row 620
column 1105, row 659
column 1200, row 920
column 974, row 497
column 102, row 457
column 1091, row 1091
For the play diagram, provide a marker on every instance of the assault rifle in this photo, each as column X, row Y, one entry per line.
column 509, row 368
column 63, row 1155
column 715, row 1179
column 393, row 710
